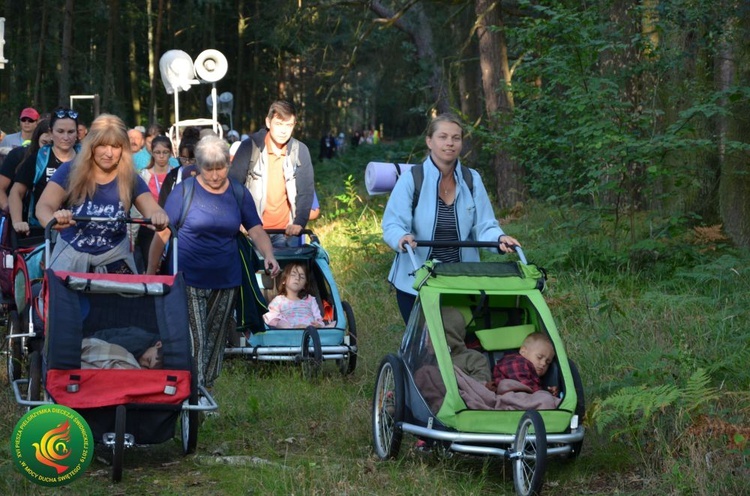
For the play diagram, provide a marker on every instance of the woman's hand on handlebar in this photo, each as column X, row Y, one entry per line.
column 21, row 227
column 64, row 219
column 408, row 238
column 272, row 266
column 507, row 244
column 159, row 220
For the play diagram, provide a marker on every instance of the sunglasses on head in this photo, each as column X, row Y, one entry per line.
column 27, row 119
column 70, row 113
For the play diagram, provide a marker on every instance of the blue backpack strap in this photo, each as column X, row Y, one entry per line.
column 42, row 159
column 239, row 192
column 188, row 188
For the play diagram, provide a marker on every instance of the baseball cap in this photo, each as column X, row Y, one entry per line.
column 30, row 113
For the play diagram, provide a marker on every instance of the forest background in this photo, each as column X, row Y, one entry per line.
column 622, row 105
column 614, row 138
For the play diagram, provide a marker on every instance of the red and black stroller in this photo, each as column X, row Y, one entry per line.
column 123, row 407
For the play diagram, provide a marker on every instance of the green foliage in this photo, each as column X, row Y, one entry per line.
column 660, row 341
column 637, row 406
column 605, row 117
column 349, row 199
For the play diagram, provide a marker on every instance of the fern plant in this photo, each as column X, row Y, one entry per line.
column 635, row 408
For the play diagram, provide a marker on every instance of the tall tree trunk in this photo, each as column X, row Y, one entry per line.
column 40, row 56
column 109, row 76
column 256, row 117
column 133, row 66
column 157, row 55
column 151, row 61
column 420, row 32
column 468, row 73
column 242, row 23
column 63, row 95
column 498, row 102
column 734, row 182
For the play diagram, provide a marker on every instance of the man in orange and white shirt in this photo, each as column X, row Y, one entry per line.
column 277, row 170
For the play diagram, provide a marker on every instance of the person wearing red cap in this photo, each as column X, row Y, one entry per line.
column 29, row 118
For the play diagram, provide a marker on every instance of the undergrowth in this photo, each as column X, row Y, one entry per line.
column 659, row 328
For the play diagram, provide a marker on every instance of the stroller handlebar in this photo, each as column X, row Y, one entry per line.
column 459, row 244
column 303, row 232
column 83, row 218
column 127, row 220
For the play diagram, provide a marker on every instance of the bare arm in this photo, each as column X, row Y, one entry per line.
column 263, row 242
column 50, row 202
column 157, row 248
column 147, row 206
column 15, row 205
column 4, row 185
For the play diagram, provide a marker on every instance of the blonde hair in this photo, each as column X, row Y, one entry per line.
column 106, row 129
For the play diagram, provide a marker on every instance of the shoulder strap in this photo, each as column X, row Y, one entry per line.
column 254, row 157
column 294, row 152
column 42, row 160
column 239, row 191
column 188, row 188
column 188, row 185
column 417, row 173
column 468, row 178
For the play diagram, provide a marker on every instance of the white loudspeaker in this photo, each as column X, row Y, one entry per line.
column 210, row 66
column 177, row 72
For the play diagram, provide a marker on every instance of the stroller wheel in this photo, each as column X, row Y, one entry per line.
column 15, row 347
column 529, row 454
column 388, row 408
column 119, row 448
column 311, row 359
column 35, row 376
column 348, row 364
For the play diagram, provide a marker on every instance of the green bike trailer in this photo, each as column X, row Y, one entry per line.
column 417, row 391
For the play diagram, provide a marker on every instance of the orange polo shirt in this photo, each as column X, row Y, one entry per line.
column 277, row 211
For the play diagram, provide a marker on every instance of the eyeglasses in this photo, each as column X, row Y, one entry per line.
column 187, row 160
column 299, row 275
column 69, row 112
column 27, row 119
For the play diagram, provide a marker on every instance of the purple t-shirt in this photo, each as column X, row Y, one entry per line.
column 208, row 254
column 97, row 237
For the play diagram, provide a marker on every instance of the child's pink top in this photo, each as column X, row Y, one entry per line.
column 286, row 313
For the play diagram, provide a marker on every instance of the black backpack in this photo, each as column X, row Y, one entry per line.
column 417, row 173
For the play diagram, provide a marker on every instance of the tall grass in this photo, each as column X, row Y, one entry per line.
column 633, row 320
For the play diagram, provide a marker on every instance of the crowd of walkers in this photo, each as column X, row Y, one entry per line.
column 58, row 168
